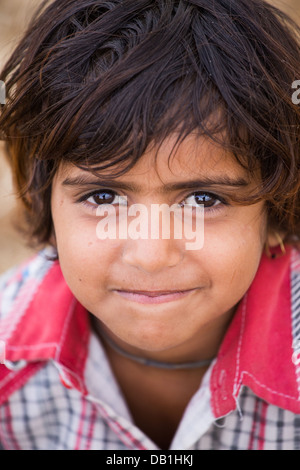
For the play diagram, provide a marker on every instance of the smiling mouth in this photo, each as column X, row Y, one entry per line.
column 154, row 297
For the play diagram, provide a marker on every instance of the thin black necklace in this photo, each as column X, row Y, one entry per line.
column 153, row 363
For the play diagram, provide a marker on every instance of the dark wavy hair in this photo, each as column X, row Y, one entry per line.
column 95, row 82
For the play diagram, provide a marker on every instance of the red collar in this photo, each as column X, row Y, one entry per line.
column 54, row 326
column 257, row 348
column 256, row 351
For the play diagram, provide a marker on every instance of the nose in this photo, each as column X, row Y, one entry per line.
column 152, row 255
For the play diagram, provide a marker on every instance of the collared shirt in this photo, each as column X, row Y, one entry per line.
column 57, row 390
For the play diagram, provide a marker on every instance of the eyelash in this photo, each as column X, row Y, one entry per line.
column 222, row 202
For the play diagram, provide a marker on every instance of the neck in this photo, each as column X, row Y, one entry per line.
column 183, row 365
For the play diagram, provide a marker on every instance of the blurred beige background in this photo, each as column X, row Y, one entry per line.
column 14, row 15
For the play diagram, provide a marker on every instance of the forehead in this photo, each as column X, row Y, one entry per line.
column 163, row 165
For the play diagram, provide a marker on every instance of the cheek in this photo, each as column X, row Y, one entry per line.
column 84, row 259
column 232, row 253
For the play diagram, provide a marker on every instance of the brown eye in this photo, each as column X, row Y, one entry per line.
column 202, row 198
column 207, row 199
column 105, row 196
column 102, row 197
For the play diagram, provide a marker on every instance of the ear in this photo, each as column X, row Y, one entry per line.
column 275, row 238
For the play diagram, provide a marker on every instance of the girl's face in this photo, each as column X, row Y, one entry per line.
column 103, row 273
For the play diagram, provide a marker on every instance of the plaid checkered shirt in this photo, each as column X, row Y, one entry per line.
column 58, row 392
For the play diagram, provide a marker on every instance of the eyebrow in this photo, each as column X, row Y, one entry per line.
column 86, row 181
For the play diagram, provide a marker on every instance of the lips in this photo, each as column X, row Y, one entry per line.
column 153, row 297
column 155, row 293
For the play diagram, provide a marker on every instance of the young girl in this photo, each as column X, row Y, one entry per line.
column 131, row 342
